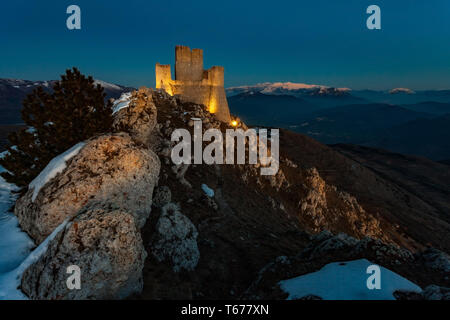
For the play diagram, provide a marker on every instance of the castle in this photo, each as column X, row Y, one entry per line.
column 193, row 83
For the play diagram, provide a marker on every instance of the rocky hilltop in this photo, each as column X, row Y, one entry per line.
column 140, row 227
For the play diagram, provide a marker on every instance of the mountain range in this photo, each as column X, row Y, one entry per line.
column 392, row 96
column 400, row 120
column 382, row 119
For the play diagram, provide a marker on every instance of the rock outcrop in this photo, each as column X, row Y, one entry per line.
column 325, row 207
column 138, row 119
column 175, row 239
column 111, row 168
column 105, row 243
column 105, row 192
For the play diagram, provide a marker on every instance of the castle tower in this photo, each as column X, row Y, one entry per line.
column 188, row 64
column 193, row 83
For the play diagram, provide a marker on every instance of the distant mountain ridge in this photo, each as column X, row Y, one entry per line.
column 13, row 91
column 392, row 96
column 382, row 119
column 289, row 88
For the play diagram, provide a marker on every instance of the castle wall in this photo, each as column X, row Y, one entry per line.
column 193, row 83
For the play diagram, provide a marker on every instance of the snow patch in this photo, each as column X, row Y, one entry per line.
column 15, row 245
column 207, row 190
column 55, row 166
column 346, row 281
column 122, row 102
column 9, row 282
column 401, row 90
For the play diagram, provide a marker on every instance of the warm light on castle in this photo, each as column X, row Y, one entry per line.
column 193, row 83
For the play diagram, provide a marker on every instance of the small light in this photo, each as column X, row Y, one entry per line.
column 234, row 123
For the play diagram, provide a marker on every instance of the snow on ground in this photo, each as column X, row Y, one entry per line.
column 10, row 281
column 207, row 190
column 57, row 165
column 15, row 245
column 346, row 281
column 122, row 102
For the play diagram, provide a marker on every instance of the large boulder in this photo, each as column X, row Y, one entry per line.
column 175, row 239
column 110, row 168
column 105, row 243
column 137, row 116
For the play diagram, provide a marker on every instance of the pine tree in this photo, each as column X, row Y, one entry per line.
column 74, row 111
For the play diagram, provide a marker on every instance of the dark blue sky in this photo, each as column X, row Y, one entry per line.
column 320, row 42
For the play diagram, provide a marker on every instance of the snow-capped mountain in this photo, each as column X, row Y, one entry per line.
column 401, row 90
column 289, row 88
column 326, row 96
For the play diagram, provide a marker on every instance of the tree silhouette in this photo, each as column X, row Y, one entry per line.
column 74, row 111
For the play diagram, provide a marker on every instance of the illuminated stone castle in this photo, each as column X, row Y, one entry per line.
column 193, row 83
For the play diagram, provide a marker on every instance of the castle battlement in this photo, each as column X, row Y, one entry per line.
column 193, row 83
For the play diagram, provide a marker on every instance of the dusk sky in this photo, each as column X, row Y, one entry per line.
column 317, row 42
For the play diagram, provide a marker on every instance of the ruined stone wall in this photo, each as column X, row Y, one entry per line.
column 193, row 83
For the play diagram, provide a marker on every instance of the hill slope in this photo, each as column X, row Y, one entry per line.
column 424, row 137
column 355, row 123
